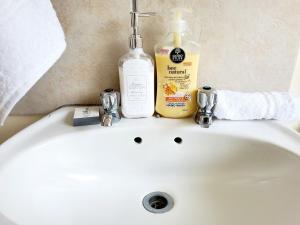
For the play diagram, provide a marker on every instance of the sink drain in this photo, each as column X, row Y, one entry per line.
column 158, row 202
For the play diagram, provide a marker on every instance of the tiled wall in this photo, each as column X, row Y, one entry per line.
column 246, row 45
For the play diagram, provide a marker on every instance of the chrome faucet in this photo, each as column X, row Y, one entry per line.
column 206, row 100
column 109, row 113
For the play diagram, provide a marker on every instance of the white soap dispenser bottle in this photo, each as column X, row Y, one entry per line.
column 136, row 74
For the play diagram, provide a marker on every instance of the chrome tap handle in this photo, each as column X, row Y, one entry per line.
column 206, row 100
column 110, row 100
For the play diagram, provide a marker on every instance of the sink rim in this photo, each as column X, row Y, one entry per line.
column 59, row 123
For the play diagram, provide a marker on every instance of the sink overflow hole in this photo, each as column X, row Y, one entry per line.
column 138, row 140
column 178, row 140
column 158, row 202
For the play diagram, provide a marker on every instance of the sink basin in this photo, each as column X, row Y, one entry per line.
column 234, row 173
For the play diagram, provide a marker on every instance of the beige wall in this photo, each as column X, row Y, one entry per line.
column 295, row 83
column 246, row 45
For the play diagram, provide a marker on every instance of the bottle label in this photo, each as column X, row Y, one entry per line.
column 177, row 87
column 136, row 72
column 177, row 82
column 136, row 86
column 177, row 55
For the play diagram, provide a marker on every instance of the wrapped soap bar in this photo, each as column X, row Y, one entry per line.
column 84, row 116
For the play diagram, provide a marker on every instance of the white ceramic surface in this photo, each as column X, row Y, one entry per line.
column 14, row 124
column 234, row 173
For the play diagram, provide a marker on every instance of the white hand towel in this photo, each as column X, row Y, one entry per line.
column 31, row 41
column 254, row 106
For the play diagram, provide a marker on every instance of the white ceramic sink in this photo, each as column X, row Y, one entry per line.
column 234, row 173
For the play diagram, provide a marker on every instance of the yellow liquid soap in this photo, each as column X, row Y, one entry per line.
column 177, row 62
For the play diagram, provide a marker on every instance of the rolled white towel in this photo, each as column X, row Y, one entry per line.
column 31, row 41
column 257, row 105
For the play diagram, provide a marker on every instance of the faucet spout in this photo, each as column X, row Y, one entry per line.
column 106, row 120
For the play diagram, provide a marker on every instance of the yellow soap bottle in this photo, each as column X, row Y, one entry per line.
column 177, row 59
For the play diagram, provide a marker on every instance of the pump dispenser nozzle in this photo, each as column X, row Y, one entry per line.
column 178, row 25
column 135, row 39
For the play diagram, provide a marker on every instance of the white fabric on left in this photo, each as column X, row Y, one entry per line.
column 31, row 41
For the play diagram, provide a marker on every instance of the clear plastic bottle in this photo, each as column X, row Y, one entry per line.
column 177, row 59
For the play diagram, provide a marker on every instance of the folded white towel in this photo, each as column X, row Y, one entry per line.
column 31, row 41
column 253, row 106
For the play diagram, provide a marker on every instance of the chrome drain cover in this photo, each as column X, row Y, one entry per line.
column 158, row 202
